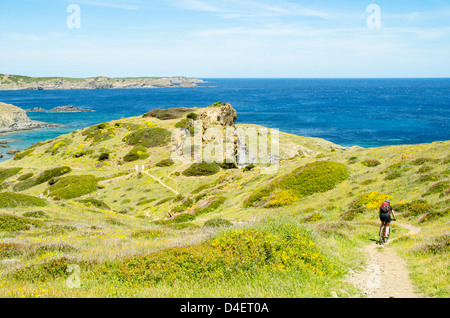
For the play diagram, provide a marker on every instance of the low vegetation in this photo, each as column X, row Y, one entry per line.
column 233, row 231
column 312, row 178
column 149, row 137
column 73, row 186
column 14, row 200
column 201, row 169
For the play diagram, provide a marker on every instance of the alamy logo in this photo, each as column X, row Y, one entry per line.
column 241, row 146
column 374, row 19
column 74, row 20
column 73, row 281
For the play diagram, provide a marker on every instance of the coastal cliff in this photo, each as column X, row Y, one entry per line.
column 18, row 82
column 13, row 118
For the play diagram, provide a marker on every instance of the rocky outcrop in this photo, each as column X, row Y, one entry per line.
column 68, row 109
column 35, row 109
column 59, row 109
column 220, row 116
column 13, row 118
column 219, row 113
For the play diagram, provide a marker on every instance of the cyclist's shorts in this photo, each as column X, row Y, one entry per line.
column 385, row 217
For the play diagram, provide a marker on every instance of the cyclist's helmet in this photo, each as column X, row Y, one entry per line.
column 388, row 201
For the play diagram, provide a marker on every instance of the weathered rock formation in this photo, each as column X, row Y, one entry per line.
column 13, row 118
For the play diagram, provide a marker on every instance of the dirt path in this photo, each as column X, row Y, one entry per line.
column 386, row 275
column 162, row 183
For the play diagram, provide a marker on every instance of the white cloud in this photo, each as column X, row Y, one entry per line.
column 232, row 9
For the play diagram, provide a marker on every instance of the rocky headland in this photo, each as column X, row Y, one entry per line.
column 18, row 82
column 13, row 118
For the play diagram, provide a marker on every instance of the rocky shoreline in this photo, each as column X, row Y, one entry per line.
column 16, row 82
column 59, row 109
column 13, row 119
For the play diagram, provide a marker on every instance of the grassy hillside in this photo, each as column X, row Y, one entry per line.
column 78, row 199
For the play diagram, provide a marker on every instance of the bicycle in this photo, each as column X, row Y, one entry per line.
column 382, row 235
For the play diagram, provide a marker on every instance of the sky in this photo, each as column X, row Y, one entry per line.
column 226, row 38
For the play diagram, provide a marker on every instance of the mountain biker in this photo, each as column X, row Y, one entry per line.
column 385, row 213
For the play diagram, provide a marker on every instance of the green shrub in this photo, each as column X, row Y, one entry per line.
column 192, row 116
column 428, row 178
column 272, row 248
column 36, row 214
column 209, row 205
column 393, row 175
column 413, row 208
column 57, row 145
column 352, row 160
column 98, row 133
column 137, row 153
column 217, row 222
column 186, row 123
column 21, row 155
column 10, row 223
column 45, row 176
column 14, row 200
column 128, row 126
column 430, row 216
column 162, row 201
column 425, row 169
column 218, row 104
column 166, row 114
column 8, row 173
column 200, row 188
column 165, row 163
column 145, row 202
column 96, row 203
column 397, row 168
column 74, row 186
column 368, row 181
column 434, row 245
column 371, row 162
column 437, row 188
column 149, row 137
column 316, row 177
column 446, row 160
column 52, row 269
column 185, row 217
column 228, row 165
column 52, row 173
column 201, row 169
column 313, row 217
column 25, row 176
column 103, row 156
column 249, row 168
column 351, row 214
column 11, row 250
column 422, row 160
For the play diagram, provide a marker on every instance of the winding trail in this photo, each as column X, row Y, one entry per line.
column 162, row 183
column 386, row 275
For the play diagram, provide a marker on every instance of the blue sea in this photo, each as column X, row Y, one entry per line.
column 363, row 112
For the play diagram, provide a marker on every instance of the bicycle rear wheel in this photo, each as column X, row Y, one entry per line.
column 380, row 236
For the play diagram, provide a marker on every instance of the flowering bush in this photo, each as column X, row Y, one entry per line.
column 371, row 200
column 278, row 246
column 319, row 176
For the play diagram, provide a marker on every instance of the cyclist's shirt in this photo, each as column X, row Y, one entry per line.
column 386, row 216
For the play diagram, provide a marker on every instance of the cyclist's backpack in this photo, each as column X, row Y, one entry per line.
column 385, row 208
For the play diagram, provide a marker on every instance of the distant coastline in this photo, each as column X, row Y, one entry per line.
column 19, row 82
